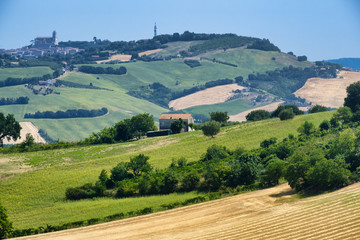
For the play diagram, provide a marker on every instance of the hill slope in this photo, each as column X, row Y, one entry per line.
column 174, row 74
column 253, row 215
column 36, row 197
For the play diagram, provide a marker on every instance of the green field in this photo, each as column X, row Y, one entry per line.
column 36, row 197
column 173, row 74
column 24, row 72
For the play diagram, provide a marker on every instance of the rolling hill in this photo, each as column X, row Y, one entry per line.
column 36, row 196
column 173, row 74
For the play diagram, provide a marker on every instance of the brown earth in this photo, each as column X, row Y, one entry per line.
column 241, row 117
column 149, row 52
column 208, row 96
column 120, row 57
column 27, row 127
column 265, row 214
column 328, row 92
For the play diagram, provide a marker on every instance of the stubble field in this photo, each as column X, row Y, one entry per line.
column 273, row 213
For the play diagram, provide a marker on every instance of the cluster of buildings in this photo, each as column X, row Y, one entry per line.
column 41, row 46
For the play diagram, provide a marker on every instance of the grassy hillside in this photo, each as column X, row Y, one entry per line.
column 24, row 72
column 174, row 74
column 36, row 197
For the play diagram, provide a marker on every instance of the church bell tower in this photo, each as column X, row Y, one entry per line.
column 54, row 38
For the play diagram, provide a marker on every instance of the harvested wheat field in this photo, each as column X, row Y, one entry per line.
column 149, row 52
column 27, row 127
column 218, row 94
column 265, row 214
column 241, row 117
column 120, row 57
column 328, row 92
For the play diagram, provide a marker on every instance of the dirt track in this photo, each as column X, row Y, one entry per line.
column 253, row 215
column 328, row 92
column 208, row 96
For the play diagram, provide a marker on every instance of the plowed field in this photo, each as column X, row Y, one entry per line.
column 208, row 96
column 27, row 127
column 328, row 92
column 255, row 215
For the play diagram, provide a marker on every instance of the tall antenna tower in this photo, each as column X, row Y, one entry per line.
column 155, row 28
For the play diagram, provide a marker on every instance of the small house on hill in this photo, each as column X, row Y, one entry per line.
column 166, row 120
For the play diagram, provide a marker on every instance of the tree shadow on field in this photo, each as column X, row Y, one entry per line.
column 283, row 194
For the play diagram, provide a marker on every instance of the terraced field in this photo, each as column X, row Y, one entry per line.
column 272, row 213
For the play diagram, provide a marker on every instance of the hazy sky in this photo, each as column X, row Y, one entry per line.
column 319, row 29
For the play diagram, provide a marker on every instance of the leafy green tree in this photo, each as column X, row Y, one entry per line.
column 5, row 225
column 268, row 142
column 103, row 177
column 120, row 172
column 244, row 170
column 318, row 108
column 258, row 115
column 297, row 167
column 29, row 141
column 325, row 125
column 210, row 128
column 170, row 182
column 307, row 128
column 328, row 173
column 221, row 117
column 274, row 170
column 9, row 128
column 280, row 108
column 215, row 152
column 352, row 99
column 177, row 125
column 215, row 176
column 343, row 115
column 286, row 114
column 190, row 181
column 139, row 164
column 123, row 131
column 126, row 188
column 142, row 123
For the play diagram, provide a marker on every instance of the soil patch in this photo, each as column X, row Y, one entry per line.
column 218, row 94
column 120, row 57
column 27, row 127
column 149, row 52
column 328, row 92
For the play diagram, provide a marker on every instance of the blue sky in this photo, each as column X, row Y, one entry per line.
column 319, row 29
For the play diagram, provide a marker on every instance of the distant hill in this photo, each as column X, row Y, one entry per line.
column 354, row 63
column 181, row 64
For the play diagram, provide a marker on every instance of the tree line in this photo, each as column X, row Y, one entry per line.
column 99, row 70
column 10, row 101
column 20, row 81
column 70, row 113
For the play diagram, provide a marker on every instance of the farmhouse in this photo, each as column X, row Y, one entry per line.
column 166, row 120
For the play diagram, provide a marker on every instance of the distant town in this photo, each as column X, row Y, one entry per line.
column 41, row 46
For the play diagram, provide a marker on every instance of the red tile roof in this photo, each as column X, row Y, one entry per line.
column 175, row 116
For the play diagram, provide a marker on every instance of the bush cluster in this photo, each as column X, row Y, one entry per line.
column 100, row 70
column 192, row 63
column 71, row 113
column 10, row 101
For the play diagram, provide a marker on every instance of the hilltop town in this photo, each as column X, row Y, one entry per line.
column 41, row 46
